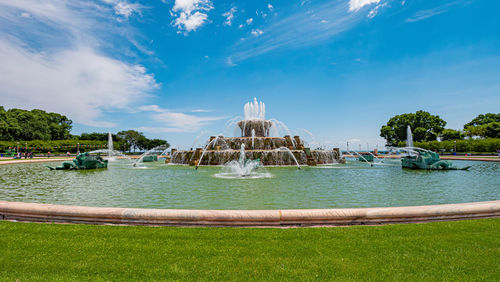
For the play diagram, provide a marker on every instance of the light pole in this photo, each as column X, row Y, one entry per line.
column 78, row 148
column 347, row 146
column 455, row 147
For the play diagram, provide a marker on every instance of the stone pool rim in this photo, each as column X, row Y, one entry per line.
column 51, row 213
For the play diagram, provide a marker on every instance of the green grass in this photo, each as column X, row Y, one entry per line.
column 464, row 250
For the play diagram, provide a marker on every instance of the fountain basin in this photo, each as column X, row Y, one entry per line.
column 316, row 217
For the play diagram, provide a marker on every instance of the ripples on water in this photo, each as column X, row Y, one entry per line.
column 169, row 186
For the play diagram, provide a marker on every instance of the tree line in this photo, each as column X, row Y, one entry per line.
column 426, row 127
column 40, row 129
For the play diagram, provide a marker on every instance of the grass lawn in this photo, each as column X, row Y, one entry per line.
column 463, row 250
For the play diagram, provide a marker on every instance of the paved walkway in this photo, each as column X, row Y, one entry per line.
column 35, row 160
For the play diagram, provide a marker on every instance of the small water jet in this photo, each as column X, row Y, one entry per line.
column 148, row 156
column 253, row 138
column 110, row 148
column 409, row 137
column 360, row 157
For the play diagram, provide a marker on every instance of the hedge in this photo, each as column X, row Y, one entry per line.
column 55, row 146
column 489, row 145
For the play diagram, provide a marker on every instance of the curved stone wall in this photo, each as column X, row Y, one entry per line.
column 307, row 217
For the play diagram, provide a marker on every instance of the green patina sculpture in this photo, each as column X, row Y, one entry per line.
column 83, row 161
column 150, row 158
column 367, row 157
column 423, row 159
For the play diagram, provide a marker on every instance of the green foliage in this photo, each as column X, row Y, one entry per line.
column 457, row 251
column 17, row 124
column 450, row 134
column 152, row 143
column 54, row 146
column 483, row 119
column 485, row 126
column 425, row 127
column 137, row 140
column 490, row 145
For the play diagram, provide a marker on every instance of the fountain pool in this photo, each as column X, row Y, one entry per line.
column 157, row 185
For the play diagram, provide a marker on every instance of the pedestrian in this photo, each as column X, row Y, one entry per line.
column 68, row 154
column 48, row 154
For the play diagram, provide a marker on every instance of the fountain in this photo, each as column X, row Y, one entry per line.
column 255, row 133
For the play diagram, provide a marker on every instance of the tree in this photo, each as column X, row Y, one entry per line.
column 137, row 140
column 17, row 124
column 149, row 144
column 483, row 119
column 492, row 130
column 424, row 126
column 450, row 134
column 485, row 126
column 132, row 138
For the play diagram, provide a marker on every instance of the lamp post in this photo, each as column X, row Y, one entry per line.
column 347, row 146
column 455, row 147
column 78, row 148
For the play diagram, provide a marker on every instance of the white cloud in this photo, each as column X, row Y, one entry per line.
column 229, row 15
column 270, row 7
column 229, row 62
column 201, row 111
column 26, row 15
column 355, row 5
column 60, row 67
column 80, row 83
column 424, row 14
column 172, row 121
column 126, row 9
column 249, row 21
column 257, row 32
column 240, row 26
column 298, row 30
column 191, row 14
column 373, row 12
column 123, row 8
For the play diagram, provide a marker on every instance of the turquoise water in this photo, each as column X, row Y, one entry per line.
column 168, row 186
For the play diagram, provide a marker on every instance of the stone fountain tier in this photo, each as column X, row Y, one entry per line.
column 267, row 157
column 257, row 143
column 259, row 126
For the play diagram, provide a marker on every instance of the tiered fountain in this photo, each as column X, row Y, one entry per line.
column 257, row 145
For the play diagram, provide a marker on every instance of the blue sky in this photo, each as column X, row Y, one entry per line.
column 179, row 69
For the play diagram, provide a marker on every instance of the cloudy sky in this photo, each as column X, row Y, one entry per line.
column 332, row 71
